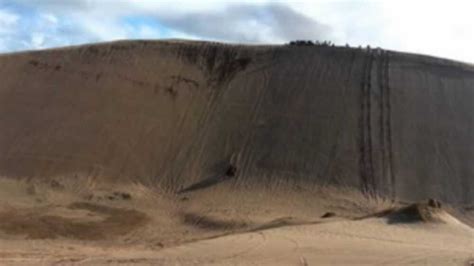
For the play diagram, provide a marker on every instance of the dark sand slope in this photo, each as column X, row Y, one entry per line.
column 177, row 113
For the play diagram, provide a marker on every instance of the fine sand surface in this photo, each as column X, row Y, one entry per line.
column 198, row 153
column 87, row 223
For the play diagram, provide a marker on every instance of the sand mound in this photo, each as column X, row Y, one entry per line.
column 421, row 212
column 418, row 212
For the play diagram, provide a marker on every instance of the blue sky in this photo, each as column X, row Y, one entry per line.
column 440, row 28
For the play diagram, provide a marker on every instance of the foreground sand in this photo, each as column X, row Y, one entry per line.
column 46, row 223
column 340, row 243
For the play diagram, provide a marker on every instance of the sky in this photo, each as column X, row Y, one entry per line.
column 439, row 28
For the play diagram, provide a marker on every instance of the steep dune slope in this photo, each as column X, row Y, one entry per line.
column 175, row 113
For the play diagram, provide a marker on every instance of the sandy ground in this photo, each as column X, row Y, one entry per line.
column 369, row 242
column 55, row 222
column 127, row 148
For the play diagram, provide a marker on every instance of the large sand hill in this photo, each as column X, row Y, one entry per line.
column 182, row 153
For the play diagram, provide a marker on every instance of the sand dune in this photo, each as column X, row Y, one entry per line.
column 191, row 153
column 175, row 113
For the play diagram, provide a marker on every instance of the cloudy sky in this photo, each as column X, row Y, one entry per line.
column 441, row 28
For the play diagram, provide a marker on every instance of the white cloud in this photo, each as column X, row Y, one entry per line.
column 8, row 18
column 248, row 23
column 50, row 18
column 101, row 29
column 145, row 32
column 439, row 28
column 37, row 40
column 8, row 21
